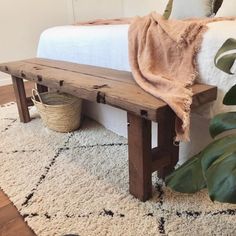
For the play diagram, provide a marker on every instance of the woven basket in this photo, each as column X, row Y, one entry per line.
column 59, row 111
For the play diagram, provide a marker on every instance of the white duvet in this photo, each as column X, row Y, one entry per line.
column 107, row 46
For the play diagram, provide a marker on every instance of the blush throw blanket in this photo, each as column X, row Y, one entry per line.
column 162, row 55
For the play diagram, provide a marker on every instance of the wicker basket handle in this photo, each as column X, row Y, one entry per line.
column 36, row 93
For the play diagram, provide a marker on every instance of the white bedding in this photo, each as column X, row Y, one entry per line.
column 107, row 46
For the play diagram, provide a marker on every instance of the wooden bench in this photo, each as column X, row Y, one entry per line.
column 117, row 89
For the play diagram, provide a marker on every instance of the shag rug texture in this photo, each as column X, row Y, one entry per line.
column 77, row 184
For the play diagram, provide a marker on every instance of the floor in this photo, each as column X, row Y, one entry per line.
column 7, row 93
column 11, row 222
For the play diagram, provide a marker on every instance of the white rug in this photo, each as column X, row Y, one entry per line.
column 77, row 184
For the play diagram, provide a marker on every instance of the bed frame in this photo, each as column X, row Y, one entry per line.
column 117, row 89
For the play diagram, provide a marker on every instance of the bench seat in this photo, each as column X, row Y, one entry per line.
column 117, row 89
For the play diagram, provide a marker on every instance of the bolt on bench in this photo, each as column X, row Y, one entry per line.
column 117, row 89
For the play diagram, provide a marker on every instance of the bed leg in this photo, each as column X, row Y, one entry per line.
column 166, row 135
column 21, row 100
column 140, row 159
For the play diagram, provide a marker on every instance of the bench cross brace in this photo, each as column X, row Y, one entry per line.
column 143, row 160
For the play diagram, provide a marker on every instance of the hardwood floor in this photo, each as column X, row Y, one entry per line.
column 7, row 93
column 11, row 222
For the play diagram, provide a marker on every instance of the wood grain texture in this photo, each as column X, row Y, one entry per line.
column 106, row 73
column 166, row 144
column 11, row 222
column 140, row 170
column 4, row 200
column 16, row 227
column 112, row 87
column 21, row 100
column 118, row 89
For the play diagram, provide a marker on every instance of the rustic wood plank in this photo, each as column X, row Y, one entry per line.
column 98, row 89
column 22, row 105
column 106, row 73
column 203, row 94
column 161, row 159
column 166, row 144
column 199, row 90
column 7, row 214
column 128, row 97
column 140, row 170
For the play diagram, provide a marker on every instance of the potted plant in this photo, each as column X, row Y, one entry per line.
column 214, row 167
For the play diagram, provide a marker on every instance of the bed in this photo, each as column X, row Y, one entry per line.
column 107, row 46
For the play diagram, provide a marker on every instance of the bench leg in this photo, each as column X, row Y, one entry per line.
column 140, row 159
column 21, row 100
column 166, row 135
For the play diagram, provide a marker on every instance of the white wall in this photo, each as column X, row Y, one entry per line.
column 143, row 7
column 21, row 23
column 95, row 9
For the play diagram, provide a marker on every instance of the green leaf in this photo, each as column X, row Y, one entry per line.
column 230, row 97
column 222, row 123
column 168, row 10
column 188, row 178
column 229, row 44
column 221, row 178
column 216, row 149
column 225, row 62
